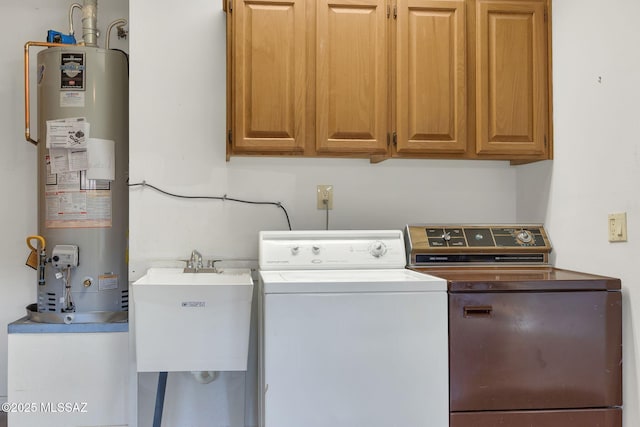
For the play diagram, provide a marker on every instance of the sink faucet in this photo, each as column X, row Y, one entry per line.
column 196, row 261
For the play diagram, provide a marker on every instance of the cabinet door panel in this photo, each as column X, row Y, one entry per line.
column 511, row 93
column 269, row 85
column 351, row 76
column 431, row 76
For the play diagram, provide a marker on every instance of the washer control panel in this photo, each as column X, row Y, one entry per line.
column 339, row 249
column 476, row 244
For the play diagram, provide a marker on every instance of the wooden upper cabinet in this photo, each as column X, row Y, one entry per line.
column 431, row 76
column 351, row 76
column 458, row 79
column 269, row 75
column 511, row 71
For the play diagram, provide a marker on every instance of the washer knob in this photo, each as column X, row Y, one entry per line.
column 378, row 249
column 295, row 250
column 315, row 249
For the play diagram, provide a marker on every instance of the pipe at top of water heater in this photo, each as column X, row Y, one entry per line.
column 120, row 23
column 90, row 22
column 71, row 8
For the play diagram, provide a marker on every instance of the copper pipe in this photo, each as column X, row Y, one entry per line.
column 27, row 109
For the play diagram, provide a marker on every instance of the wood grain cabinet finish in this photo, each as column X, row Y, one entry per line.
column 268, row 88
column 511, row 72
column 431, row 99
column 352, row 76
column 456, row 79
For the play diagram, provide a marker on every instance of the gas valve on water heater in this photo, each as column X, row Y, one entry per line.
column 64, row 256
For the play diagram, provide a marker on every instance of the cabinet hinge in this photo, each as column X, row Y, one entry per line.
column 388, row 139
column 230, row 5
column 395, row 11
column 545, row 141
column 395, row 139
column 230, row 137
column 388, row 11
column 545, row 14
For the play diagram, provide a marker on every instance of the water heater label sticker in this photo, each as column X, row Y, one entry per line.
column 72, row 71
column 72, row 99
column 78, row 209
column 107, row 282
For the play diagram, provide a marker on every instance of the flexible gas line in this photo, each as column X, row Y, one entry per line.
column 68, row 298
column 120, row 23
column 71, row 8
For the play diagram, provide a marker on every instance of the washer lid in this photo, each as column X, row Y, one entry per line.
column 342, row 281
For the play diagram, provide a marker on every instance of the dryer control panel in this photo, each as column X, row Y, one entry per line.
column 453, row 244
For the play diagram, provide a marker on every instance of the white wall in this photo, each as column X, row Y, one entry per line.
column 177, row 104
column 597, row 158
column 177, row 143
column 23, row 21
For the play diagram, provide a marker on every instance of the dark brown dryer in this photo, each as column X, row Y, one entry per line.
column 529, row 344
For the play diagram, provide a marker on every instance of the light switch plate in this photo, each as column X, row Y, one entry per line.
column 618, row 227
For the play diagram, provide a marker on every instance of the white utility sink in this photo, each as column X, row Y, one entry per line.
column 192, row 321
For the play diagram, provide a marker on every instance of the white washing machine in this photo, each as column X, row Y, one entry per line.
column 348, row 336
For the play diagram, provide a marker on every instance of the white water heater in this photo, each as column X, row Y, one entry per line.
column 83, row 162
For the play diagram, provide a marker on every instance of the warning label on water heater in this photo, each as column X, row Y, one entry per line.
column 72, row 71
column 78, row 209
column 107, row 282
column 72, row 201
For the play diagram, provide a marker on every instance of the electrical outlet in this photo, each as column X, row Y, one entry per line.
column 325, row 192
column 618, row 227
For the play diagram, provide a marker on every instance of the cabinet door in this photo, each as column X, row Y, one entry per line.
column 269, row 75
column 351, row 76
column 511, row 72
column 431, row 76
column 535, row 350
